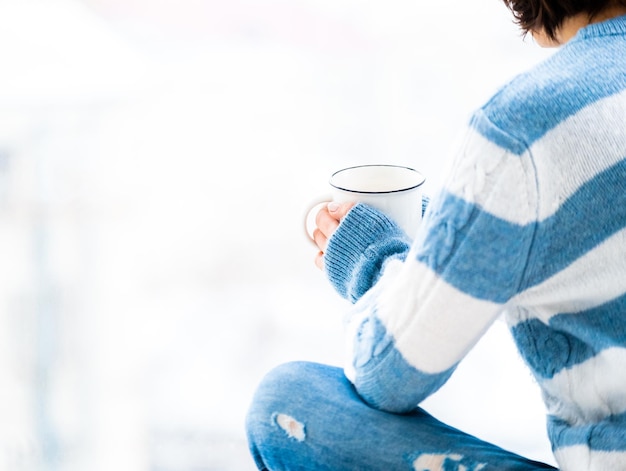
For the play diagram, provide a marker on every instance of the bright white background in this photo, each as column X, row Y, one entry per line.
column 156, row 159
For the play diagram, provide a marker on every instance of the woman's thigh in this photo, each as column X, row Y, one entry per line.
column 307, row 416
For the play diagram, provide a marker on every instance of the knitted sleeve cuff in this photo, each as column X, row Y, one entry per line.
column 359, row 248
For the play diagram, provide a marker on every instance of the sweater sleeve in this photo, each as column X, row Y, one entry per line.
column 419, row 308
column 365, row 241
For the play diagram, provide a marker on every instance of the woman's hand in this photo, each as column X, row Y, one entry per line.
column 327, row 221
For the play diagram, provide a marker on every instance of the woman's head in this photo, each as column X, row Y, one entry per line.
column 547, row 16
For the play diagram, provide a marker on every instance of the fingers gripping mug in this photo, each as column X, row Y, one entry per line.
column 392, row 189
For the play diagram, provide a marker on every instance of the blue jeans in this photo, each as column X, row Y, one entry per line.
column 307, row 416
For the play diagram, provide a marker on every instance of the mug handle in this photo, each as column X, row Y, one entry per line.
column 311, row 213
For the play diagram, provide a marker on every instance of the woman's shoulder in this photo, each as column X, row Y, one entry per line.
column 575, row 77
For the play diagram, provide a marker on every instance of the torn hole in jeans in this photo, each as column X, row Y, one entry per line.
column 445, row 462
column 290, row 426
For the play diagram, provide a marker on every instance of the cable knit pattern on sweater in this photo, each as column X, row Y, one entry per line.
column 531, row 222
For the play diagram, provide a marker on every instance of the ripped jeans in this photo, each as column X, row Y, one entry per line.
column 307, row 416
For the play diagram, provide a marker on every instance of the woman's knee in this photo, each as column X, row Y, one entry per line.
column 283, row 403
column 288, row 388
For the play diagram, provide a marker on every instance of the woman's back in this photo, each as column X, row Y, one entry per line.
column 569, row 317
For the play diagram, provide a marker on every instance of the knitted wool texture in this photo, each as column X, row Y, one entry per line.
column 530, row 223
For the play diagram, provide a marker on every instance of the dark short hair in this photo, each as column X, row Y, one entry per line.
column 548, row 15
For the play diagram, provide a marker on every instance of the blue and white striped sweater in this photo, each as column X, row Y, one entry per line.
column 531, row 222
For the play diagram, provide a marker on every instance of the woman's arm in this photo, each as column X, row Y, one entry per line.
column 418, row 309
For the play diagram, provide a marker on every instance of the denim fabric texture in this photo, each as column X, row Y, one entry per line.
column 307, row 416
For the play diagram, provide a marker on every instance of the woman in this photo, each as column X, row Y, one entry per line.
column 530, row 223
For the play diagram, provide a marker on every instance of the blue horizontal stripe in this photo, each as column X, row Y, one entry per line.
column 571, row 339
column 595, row 212
column 384, row 378
column 473, row 250
column 608, row 435
column 493, row 259
column 481, row 123
column 528, row 107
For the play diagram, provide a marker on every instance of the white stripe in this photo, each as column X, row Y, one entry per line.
column 579, row 159
column 509, row 179
column 360, row 313
column 580, row 458
column 434, row 325
column 593, row 279
column 356, row 317
column 590, row 391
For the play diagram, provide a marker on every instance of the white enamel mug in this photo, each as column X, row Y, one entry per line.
column 392, row 189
